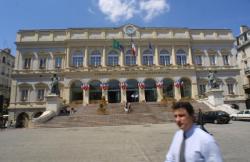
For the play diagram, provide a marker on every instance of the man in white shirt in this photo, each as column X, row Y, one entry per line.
column 191, row 144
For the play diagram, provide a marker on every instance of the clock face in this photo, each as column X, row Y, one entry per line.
column 129, row 30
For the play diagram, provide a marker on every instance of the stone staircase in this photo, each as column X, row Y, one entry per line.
column 142, row 113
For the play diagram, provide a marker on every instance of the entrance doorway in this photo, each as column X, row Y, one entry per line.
column 185, row 88
column 95, row 92
column 132, row 92
column 114, row 92
column 150, row 90
column 22, row 120
column 76, row 91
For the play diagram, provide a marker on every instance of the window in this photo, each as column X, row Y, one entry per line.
column 181, row 58
column 58, row 62
column 24, row 94
column 40, row 94
column 95, row 59
column 202, row 89
column 212, row 59
column 225, row 60
column 147, row 58
column 164, row 57
column 42, row 63
column 113, row 58
column 230, row 87
column 77, row 59
column 198, row 60
column 27, row 63
column 3, row 59
column 3, row 70
column 130, row 59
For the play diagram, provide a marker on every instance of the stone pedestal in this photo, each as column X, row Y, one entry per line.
column 215, row 97
column 53, row 103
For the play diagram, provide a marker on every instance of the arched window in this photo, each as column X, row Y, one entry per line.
column 147, row 58
column 95, row 58
column 77, row 59
column 130, row 59
column 113, row 58
column 164, row 57
column 181, row 57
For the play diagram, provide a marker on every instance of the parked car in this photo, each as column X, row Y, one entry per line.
column 242, row 115
column 216, row 117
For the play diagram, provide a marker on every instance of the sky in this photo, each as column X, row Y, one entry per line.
column 61, row 14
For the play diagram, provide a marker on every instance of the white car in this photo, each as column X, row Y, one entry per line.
column 242, row 115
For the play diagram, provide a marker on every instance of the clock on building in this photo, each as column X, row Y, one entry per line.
column 129, row 29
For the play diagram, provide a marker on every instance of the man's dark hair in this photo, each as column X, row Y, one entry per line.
column 184, row 105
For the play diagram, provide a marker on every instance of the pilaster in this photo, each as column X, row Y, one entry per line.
column 173, row 55
column 139, row 56
column 156, row 56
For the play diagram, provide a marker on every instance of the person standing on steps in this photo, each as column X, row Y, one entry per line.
column 190, row 143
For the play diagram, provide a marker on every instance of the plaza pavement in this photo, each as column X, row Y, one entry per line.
column 131, row 143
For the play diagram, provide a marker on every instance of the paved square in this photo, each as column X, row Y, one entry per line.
column 133, row 143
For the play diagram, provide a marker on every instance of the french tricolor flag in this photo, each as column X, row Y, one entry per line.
column 133, row 48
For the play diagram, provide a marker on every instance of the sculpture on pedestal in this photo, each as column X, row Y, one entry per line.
column 54, row 85
column 212, row 80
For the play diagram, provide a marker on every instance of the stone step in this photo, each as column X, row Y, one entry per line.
column 142, row 113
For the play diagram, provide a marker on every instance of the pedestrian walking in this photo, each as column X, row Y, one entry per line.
column 190, row 143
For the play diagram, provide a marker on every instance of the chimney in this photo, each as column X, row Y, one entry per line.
column 243, row 28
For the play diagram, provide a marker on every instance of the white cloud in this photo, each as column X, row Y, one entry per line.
column 153, row 8
column 121, row 10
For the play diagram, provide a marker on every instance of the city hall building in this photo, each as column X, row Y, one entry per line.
column 126, row 63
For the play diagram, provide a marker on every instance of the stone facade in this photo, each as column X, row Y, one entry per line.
column 6, row 66
column 168, row 62
column 243, row 48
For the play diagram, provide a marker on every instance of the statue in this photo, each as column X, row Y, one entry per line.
column 55, row 85
column 212, row 80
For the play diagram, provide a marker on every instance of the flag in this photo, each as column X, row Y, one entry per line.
column 117, row 45
column 179, row 83
column 133, row 48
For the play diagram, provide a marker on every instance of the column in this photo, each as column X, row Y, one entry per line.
column 156, row 56
column 67, row 94
column 219, row 58
column 173, row 56
column 139, row 56
column 190, row 55
column 194, row 89
column 35, row 61
column 86, row 57
column 13, row 94
column 206, row 60
column 123, row 95
column 68, row 57
column 104, row 57
column 105, row 94
column 51, row 62
column 177, row 93
column 122, row 55
column 141, row 95
column 18, row 60
column 159, row 94
column 85, row 97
